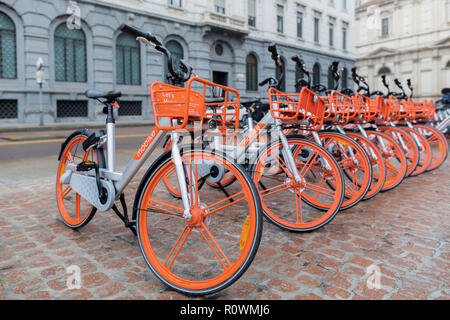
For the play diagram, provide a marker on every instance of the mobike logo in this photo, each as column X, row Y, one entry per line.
column 252, row 134
column 145, row 145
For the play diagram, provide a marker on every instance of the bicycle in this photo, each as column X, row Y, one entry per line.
column 198, row 244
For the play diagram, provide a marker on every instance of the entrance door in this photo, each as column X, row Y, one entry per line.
column 220, row 78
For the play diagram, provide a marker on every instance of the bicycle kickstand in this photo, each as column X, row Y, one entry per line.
column 124, row 217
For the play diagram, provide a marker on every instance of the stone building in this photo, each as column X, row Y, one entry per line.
column 404, row 39
column 224, row 40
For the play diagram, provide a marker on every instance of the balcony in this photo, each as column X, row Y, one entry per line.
column 217, row 22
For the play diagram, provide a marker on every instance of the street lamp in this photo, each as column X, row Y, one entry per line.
column 40, row 81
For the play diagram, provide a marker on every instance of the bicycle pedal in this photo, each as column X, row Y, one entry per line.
column 86, row 166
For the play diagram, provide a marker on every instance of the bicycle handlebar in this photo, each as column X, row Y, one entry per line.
column 137, row 33
column 301, row 65
column 178, row 76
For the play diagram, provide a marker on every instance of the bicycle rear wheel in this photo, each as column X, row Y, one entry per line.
column 212, row 250
column 74, row 210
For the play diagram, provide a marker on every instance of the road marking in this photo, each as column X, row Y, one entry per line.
column 137, row 135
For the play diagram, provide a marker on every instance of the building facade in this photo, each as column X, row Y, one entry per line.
column 404, row 39
column 225, row 41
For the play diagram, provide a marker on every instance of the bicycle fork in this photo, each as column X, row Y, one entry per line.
column 181, row 176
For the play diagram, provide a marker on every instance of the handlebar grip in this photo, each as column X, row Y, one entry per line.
column 273, row 50
column 137, row 33
column 262, row 83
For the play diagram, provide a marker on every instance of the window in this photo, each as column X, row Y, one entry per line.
column 330, row 79
column 384, row 70
column 344, row 4
column 331, row 34
column 70, row 54
column 299, row 25
column 344, row 38
column 384, row 26
column 331, row 3
column 278, row 73
column 344, row 78
column 316, row 73
column 128, row 60
column 219, row 6
column 175, row 3
column 280, row 16
column 177, row 52
column 252, row 13
column 252, row 73
column 448, row 64
column 316, row 30
column 8, row 67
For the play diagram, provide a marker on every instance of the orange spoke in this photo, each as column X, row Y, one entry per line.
column 222, row 201
column 308, row 164
column 179, row 248
column 282, row 165
column 66, row 191
column 321, row 182
column 321, row 190
column 267, row 192
column 165, row 204
column 216, row 244
column 77, row 206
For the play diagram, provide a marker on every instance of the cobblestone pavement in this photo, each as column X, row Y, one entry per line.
column 403, row 232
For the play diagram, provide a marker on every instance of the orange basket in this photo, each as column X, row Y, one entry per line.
column 177, row 108
column 339, row 108
column 366, row 108
column 423, row 110
column 305, row 108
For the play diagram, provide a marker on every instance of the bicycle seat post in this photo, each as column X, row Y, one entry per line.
column 111, row 141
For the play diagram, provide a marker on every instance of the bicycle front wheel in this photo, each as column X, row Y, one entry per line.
column 304, row 205
column 213, row 249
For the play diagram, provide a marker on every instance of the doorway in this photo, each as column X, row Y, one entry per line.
column 220, row 78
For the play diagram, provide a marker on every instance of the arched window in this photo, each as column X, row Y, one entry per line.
column 384, row 70
column 128, row 60
column 344, row 78
column 331, row 81
column 316, row 73
column 70, row 54
column 252, row 73
column 448, row 64
column 176, row 50
column 277, row 75
column 8, row 67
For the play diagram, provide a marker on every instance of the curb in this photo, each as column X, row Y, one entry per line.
column 69, row 126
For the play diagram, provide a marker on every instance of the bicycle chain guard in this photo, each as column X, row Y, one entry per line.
column 86, row 187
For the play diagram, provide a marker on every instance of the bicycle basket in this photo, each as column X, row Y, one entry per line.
column 338, row 108
column 177, row 108
column 305, row 108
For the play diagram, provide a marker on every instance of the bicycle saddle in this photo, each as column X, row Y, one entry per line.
column 96, row 94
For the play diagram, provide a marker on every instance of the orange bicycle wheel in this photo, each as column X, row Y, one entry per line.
column 213, row 249
column 394, row 158
column 304, row 205
column 377, row 162
column 438, row 144
column 75, row 211
column 354, row 164
column 425, row 153
column 409, row 146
